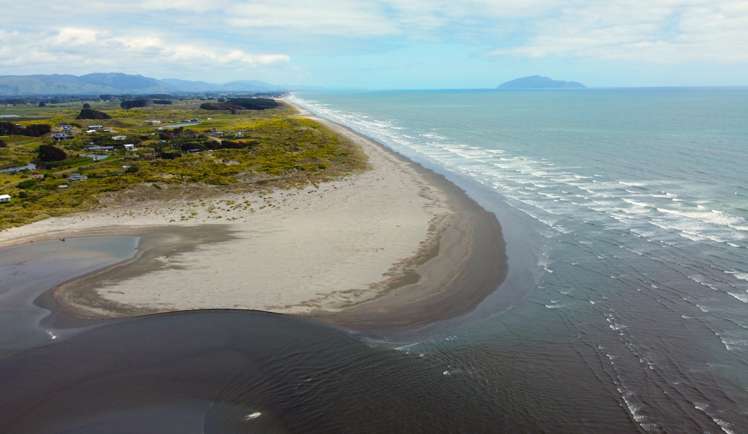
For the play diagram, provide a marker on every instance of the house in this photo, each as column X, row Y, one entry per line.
column 77, row 177
column 37, row 176
column 4, row 198
column 60, row 136
column 97, row 157
column 95, row 127
column 130, row 147
column 62, row 186
column 66, row 127
column 100, row 148
column 17, row 169
column 153, row 122
column 119, row 138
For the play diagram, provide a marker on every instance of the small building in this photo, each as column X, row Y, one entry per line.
column 130, row 147
column 37, row 176
column 95, row 127
column 66, row 127
column 97, row 157
column 77, row 177
column 5, row 198
column 62, row 186
column 153, row 122
column 98, row 148
column 60, row 136
column 17, row 169
column 119, row 138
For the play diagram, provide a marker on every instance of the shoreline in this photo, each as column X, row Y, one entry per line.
column 456, row 260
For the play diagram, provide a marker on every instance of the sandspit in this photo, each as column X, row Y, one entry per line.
column 395, row 246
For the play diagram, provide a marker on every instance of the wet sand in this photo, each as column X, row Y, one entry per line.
column 396, row 247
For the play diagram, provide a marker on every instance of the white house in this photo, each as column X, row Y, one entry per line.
column 119, row 138
column 130, row 147
column 4, row 198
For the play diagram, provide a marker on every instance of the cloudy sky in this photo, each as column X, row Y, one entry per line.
column 383, row 43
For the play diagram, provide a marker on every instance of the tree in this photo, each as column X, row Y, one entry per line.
column 51, row 153
column 127, row 105
column 37, row 130
column 89, row 113
column 34, row 130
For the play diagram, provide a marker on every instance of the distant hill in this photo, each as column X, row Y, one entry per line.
column 116, row 84
column 540, row 82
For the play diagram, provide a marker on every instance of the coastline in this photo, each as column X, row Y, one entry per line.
column 404, row 247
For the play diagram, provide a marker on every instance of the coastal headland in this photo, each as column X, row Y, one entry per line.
column 392, row 247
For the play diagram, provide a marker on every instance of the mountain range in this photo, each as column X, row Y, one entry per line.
column 117, row 84
column 540, row 82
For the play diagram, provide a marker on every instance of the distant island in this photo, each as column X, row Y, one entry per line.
column 540, row 82
column 117, row 84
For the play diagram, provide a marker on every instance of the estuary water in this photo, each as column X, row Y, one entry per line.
column 637, row 201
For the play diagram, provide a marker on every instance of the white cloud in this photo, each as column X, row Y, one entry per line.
column 80, row 46
column 201, row 32
column 656, row 31
column 316, row 17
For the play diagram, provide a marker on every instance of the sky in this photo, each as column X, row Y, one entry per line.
column 383, row 44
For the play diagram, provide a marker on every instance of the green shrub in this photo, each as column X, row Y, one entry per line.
column 28, row 183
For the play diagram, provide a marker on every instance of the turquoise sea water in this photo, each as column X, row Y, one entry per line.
column 628, row 209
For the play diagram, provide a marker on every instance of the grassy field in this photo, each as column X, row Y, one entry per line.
column 277, row 148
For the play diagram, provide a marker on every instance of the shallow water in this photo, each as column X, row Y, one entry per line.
column 28, row 271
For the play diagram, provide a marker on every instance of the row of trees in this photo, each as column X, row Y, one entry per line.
column 236, row 104
column 34, row 130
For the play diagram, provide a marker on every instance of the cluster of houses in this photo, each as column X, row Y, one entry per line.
column 96, row 152
column 65, row 133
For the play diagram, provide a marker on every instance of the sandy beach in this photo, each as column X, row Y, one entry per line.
column 394, row 246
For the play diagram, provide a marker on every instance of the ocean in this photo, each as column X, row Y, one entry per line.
column 626, row 218
column 624, row 309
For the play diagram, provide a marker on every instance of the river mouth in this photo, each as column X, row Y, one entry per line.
column 227, row 371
